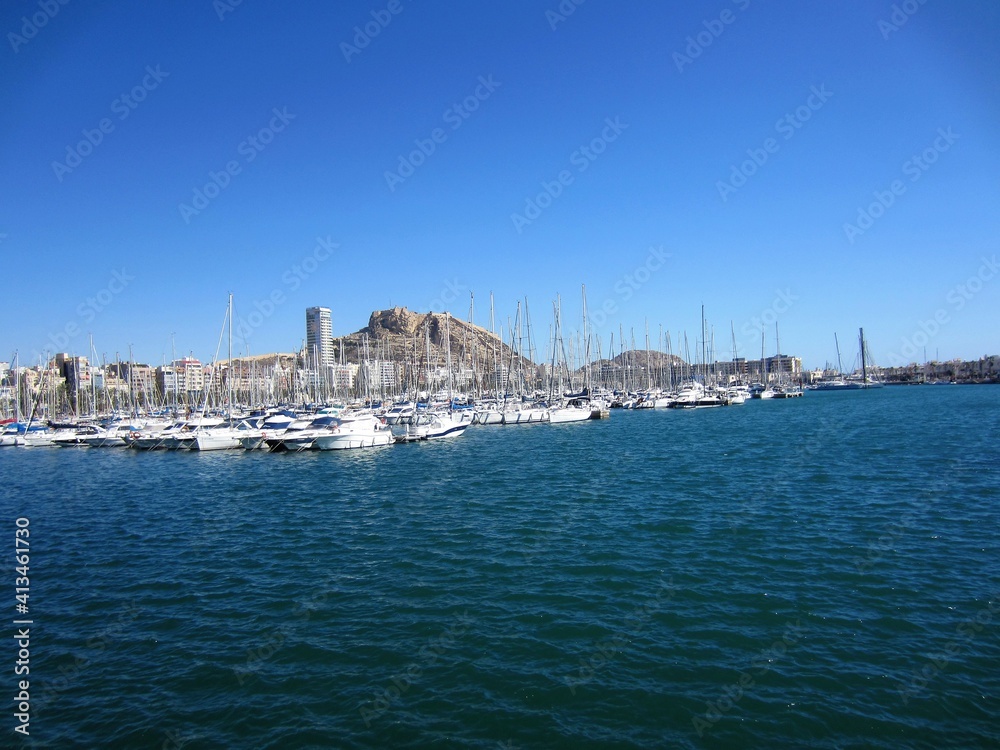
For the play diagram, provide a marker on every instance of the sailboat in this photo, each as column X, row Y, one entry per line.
column 784, row 389
column 13, row 432
column 225, row 436
column 737, row 392
column 837, row 383
column 763, row 389
column 490, row 411
column 866, row 380
column 699, row 394
column 524, row 410
column 440, row 424
column 572, row 409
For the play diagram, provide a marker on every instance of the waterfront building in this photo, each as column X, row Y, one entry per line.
column 182, row 377
column 319, row 337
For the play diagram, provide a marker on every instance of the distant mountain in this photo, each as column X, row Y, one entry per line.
column 399, row 335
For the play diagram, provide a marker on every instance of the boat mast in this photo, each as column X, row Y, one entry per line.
column 132, row 401
column 586, row 343
column 763, row 359
column 777, row 344
column 229, row 368
column 864, row 364
column 704, row 354
column 493, row 342
column 736, row 365
column 17, row 387
column 556, row 339
column 93, row 386
column 173, row 366
column 649, row 372
column 670, row 362
column 447, row 335
column 477, row 381
column 621, row 355
column 840, row 367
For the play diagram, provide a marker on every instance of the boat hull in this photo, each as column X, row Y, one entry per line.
column 348, row 442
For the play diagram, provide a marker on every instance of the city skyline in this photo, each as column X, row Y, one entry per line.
column 825, row 168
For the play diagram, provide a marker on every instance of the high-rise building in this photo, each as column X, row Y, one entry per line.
column 319, row 337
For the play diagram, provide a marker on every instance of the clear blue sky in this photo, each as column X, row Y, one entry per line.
column 774, row 247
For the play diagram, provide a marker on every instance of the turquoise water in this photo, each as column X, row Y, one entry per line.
column 821, row 572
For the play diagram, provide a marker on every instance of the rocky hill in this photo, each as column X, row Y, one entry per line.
column 401, row 335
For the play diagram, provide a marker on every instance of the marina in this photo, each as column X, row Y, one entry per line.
column 500, row 376
column 533, row 586
column 236, row 404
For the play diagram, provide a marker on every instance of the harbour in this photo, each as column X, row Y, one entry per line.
column 501, row 376
column 404, row 385
column 664, row 577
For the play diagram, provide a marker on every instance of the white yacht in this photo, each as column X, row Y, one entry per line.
column 761, row 391
column 151, row 437
column 219, row 438
column 737, row 395
column 433, row 426
column 13, row 434
column 115, row 435
column 575, row 410
column 355, row 431
column 401, row 413
column 694, row 395
column 526, row 414
column 300, row 435
column 488, row 412
column 75, row 438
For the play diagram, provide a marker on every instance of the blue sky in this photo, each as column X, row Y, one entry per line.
column 410, row 168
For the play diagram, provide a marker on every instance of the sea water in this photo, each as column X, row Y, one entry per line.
column 817, row 572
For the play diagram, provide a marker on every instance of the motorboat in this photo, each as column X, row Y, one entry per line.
column 433, row 426
column 355, row 431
